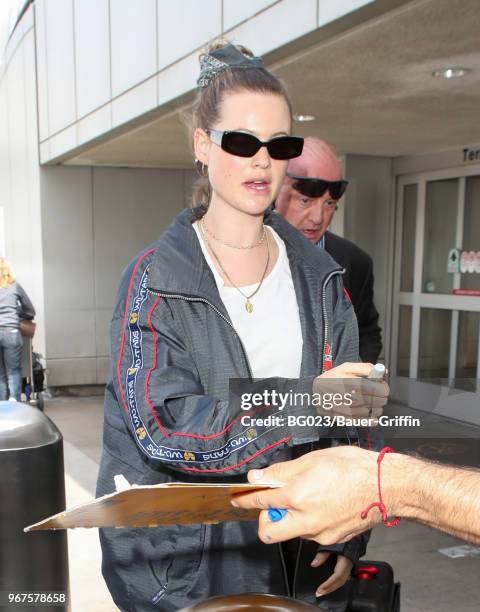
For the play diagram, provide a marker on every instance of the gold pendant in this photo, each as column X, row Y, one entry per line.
column 249, row 306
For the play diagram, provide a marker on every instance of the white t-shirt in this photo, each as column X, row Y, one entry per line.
column 271, row 334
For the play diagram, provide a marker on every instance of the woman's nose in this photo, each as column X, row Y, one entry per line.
column 261, row 159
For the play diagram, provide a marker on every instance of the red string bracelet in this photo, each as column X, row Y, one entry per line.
column 380, row 505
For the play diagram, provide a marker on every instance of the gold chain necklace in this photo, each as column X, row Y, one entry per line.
column 234, row 246
column 248, row 303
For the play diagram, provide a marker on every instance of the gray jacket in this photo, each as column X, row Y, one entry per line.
column 169, row 417
column 14, row 305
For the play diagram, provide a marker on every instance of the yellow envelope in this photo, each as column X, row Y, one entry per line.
column 172, row 503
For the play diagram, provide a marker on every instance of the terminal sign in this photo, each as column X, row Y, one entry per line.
column 470, row 155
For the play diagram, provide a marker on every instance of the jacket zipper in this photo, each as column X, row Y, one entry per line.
column 200, row 299
column 324, row 311
column 325, row 341
column 325, row 337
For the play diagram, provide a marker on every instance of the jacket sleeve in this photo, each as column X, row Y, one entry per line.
column 353, row 549
column 173, row 420
column 370, row 333
column 26, row 309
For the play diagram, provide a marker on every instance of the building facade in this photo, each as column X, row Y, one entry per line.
column 95, row 160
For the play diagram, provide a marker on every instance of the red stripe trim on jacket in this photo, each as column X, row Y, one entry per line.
column 147, row 396
column 122, row 344
column 154, row 365
column 225, row 469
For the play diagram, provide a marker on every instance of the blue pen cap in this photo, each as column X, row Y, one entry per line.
column 276, row 514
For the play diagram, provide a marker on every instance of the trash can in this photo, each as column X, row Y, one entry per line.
column 33, row 566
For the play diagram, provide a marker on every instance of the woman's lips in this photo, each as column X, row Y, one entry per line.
column 258, row 187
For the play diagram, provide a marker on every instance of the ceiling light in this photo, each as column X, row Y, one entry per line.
column 450, row 73
column 303, row 118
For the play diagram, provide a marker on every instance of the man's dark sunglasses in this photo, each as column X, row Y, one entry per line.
column 317, row 187
column 247, row 145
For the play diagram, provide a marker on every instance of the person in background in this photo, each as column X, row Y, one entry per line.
column 308, row 199
column 15, row 305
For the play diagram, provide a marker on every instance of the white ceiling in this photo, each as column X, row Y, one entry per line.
column 370, row 89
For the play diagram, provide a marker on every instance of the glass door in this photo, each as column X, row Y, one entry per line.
column 435, row 361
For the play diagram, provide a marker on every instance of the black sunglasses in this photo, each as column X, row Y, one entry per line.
column 317, row 187
column 247, row 145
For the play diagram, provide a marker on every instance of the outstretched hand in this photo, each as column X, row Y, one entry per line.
column 325, row 492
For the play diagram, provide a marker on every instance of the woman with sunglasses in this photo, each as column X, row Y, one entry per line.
column 229, row 291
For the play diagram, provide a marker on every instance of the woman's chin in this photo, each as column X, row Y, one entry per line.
column 256, row 206
column 250, row 205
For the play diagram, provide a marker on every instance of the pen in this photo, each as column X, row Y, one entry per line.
column 377, row 372
column 276, row 514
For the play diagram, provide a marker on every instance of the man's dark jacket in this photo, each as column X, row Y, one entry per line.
column 358, row 280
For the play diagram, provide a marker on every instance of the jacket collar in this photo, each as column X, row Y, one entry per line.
column 179, row 267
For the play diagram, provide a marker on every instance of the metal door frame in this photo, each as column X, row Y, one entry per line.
column 420, row 394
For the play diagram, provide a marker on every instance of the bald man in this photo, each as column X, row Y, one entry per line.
column 308, row 199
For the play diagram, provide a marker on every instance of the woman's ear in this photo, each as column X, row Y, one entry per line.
column 201, row 145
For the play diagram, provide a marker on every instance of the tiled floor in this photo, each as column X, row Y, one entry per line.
column 431, row 582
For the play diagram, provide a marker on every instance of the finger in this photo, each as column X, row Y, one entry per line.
column 281, row 472
column 320, row 559
column 338, row 578
column 289, row 527
column 347, row 370
column 376, row 412
column 346, row 411
column 378, row 402
column 364, row 402
column 375, row 388
column 344, row 565
column 356, row 410
column 355, row 369
column 275, row 498
column 372, row 406
column 330, row 585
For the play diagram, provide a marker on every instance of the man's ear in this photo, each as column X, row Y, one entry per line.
column 201, row 145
